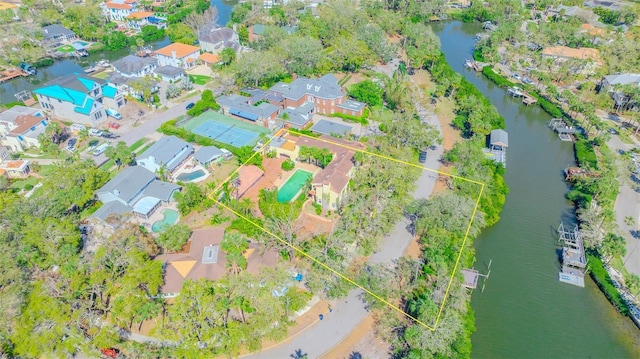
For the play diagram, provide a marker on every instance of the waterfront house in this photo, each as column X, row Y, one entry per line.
column 57, row 32
column 118, row 10
column 79, row 98
column 135, row 66
column 134, row 190
column 324, row 92
column 205, row 259
column 215, row 39
column 178, row 55
column 564, row 52
column 169, row 152
column 139, row 19
column 612, row 84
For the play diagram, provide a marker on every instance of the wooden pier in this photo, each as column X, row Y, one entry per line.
column 574, row 173
column 574, row 259
column 11, row 73
column 565, row 132
column 516, row 91
column 475, row 65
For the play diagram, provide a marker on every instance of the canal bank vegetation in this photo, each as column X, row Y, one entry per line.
column 595, row 192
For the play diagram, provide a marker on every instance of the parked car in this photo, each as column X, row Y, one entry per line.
column 101, row 149
column 190, row 106
column 71, row 145
column 114, row 125
column 612, row 131
column 516, row 76
column 423, row 157
column 527, row 81
column 113, row 113
column 109, row 135
column 95, row 132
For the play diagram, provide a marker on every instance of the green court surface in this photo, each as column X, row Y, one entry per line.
column 223, row 119
column 290, row 189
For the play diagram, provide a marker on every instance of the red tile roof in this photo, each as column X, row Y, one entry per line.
column 139, row 15
column 25, row 122
column 181, row 50
column 114, row 5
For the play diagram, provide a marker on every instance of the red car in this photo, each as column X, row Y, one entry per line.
column 114, row 125
column 110, row 352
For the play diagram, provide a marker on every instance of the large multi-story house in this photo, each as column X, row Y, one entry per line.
column 20, row 127
column 134, row 190
column 135, row 66
column 139, row 19
column 57, row 32
column 118, row 10
column 178, row 55
column 79, row 98
column 215, row 39
column 614, row 85
column 168, row 152
column 324, row 92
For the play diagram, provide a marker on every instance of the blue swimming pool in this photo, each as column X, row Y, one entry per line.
column 170, row 217
column 186, row 177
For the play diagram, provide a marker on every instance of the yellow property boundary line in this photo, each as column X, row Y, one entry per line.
column 313, row 259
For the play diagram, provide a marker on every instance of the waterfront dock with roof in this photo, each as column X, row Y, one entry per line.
column 563, row 129
column 498, row 143
column 574, row 260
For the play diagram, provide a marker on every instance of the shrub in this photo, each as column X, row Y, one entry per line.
column 497, row 79
column 28, row 187
column 602, row 279
column 585, row 155
column 288, row 165
column 318, row 208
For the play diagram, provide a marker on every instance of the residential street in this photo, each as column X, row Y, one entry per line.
column 627, row 204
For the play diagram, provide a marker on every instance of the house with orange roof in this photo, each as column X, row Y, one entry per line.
column 592, row 30
column 118, row 10
column 204, row 259
column 564, row 52
column 139, row 19
column 209, row 59
column 178, row 55
column 20, row 127
column 330, row 186
column 16, row 169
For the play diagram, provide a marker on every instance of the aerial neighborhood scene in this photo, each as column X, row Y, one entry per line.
column 320, row 179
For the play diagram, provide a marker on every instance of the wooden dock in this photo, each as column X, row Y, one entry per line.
column 565, row 132
column 475, row 65
column 516, row 91
column 11, row 73
column 574, row 260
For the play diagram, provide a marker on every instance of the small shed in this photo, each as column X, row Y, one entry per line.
column 208, row 154
column 499, row 139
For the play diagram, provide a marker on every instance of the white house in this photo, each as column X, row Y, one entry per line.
column 215, row 39
column 135, row 66
column 79, row 98
column 20, row 127
column 118, row 10
column 168, row 152
column 178, row 55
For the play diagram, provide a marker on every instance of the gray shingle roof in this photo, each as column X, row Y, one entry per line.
column 55, row 30
column 110, row 208
column 499, row 137
column 169, row 151
column 169, row 71
column 127, row 184
column 239, row 102
column 327, row 128
column 131, row 64
column 325, row 87
column 161, row 190
column 623, row 79
column 211, row 34
column 352, row 105
column 207, row 154
column 71, row 81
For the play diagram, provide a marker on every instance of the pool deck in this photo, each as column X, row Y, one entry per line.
column 188, row 167
column 157, row 216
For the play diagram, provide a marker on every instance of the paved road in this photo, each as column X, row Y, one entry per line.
column 328, row 333
column 149, row 124
column 627, row 204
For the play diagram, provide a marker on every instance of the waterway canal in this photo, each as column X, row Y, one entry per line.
column 525, row 312
column 69, row 66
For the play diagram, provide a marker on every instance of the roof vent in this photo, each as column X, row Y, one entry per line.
column 309, row 86
column 317, row 88
column 116, row 192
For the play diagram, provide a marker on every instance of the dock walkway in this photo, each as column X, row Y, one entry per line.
column 574, row 259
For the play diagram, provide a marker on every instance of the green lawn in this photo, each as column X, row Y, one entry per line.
column 137, row 144
column 101, row 75
column 199, row 79
column 66, row 48
column 20, row 184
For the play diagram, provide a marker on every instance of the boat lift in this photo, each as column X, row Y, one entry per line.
column 472, row 276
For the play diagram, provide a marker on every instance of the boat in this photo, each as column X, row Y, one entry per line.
column 103, row 63
column 28, row 68
column 91, row 69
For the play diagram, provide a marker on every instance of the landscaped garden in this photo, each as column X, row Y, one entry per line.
column 199, row 79
column 66, row 48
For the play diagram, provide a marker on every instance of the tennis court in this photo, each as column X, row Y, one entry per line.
column 229, row 134
column 222, row 128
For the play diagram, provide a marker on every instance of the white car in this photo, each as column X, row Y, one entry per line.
column 516, row 76
column 527, row 81
column 95, row 133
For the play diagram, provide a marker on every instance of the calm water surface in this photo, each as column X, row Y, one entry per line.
column 525, row 312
